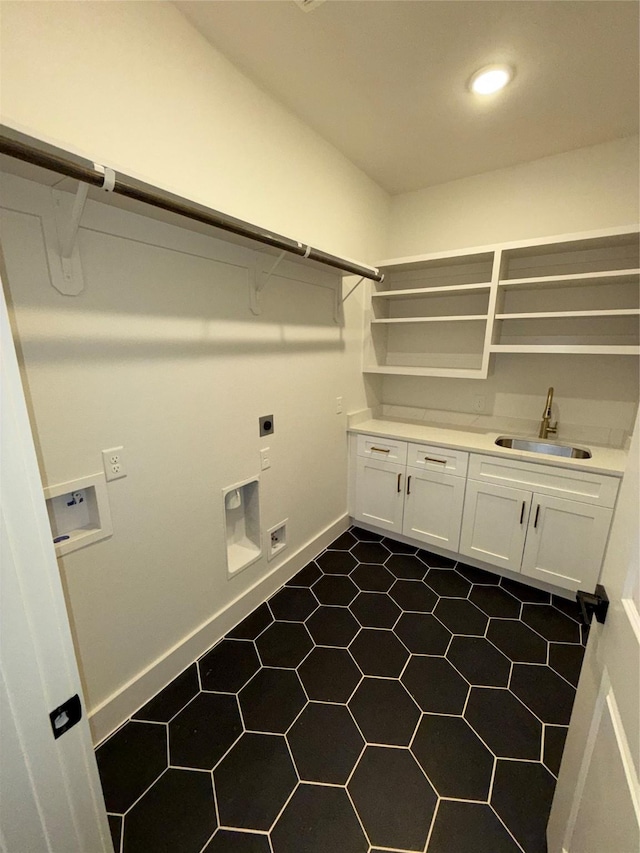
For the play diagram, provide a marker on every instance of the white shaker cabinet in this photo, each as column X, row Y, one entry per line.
column 379, row 498
column 433, row 507
column 494, row 525
column 540, row 531
column 552, row 539
column 546, row 522
column 423, row 499
column 565, row 542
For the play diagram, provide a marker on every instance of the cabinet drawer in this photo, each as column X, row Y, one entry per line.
column 388, row 449
column 559, row 482
column 434, row 458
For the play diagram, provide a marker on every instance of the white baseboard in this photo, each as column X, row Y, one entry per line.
column 111, row 713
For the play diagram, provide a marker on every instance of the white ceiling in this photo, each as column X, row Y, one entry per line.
column 384, row 80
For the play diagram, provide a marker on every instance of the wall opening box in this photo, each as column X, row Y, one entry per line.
column 79, row 513
column 242, row 521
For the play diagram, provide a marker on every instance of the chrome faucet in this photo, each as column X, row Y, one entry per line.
column 545, row 424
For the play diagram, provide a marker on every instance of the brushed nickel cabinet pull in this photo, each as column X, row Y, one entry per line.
column 431, row 459
column 524, row 503
column 381, row 449
column 535, row 523
column 409, row 484
column 399, row 477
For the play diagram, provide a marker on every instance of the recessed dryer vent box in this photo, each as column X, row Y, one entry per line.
column 79, row 513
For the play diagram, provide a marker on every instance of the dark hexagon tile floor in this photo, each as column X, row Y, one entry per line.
column 325, row 743
column 293, row 604
column 385, row 698
column 203, row 731
column 393, row 798
column 228, row 666
column 272, row 700
column 318, row 819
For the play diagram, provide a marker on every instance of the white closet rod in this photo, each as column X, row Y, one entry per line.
column 31, row 150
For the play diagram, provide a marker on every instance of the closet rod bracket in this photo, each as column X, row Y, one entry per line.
column 61, row 240
column 260, row 279
column 68, row 230
column 355, row 287
column 338, row 307
column 61, row 233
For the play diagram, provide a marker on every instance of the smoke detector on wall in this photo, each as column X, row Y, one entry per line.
column 308, row 5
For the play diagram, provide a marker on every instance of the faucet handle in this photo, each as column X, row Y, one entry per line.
column 553, row 428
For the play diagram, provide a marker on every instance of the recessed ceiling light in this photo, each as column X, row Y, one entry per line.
column 491, row 79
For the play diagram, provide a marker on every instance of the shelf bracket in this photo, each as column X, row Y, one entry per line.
column 69, row 233
column 61, row 235
column 338, row 309
column 259, row 281
column 338, row 306
column 355, row 286
column 259, row 278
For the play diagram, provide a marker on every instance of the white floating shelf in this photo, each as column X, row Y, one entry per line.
column 606, row 277
column 535, row 315
column 452, row 372
column 446, row 319
column 429, row 291
column 531, row 283
column 567, row 349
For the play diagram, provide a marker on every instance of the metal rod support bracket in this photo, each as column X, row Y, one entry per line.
column 338, row 313
column 259, row 280
column 355, row 286
column 61, row 234
column 264, row 278
column 69, row 232
column 60, row 229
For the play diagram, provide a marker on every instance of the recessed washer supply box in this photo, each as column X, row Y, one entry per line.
column 79, row 513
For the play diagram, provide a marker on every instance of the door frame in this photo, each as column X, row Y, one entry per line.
column 608, row 687
column 50, row 787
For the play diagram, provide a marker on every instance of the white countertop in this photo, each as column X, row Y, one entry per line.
column 604, row 460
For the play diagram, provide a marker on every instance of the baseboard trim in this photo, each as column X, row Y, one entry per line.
column 117, row 708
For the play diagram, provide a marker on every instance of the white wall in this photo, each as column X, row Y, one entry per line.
column 595, row 187
column 160, row 353
column 581, row 190
column 135, row 86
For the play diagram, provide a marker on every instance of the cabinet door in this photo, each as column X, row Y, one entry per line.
column 433, row 507
column 565, row 542
column 494, row 524
column 379, row 493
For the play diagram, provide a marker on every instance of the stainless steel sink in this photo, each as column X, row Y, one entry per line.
column 534, row 445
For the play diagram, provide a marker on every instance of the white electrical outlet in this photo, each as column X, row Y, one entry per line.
column 479, row 402
column 265, row 458
column 114, row 465
column 338, row 405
